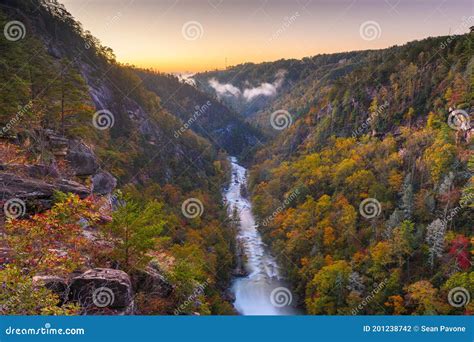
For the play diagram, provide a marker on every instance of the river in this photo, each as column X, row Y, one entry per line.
column 262, row 291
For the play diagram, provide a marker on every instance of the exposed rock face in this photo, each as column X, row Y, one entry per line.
column 102, row 288
column 14, row 186
column 56, row 143
column 81, row 159
column 34, row 171
column 36, row 184
column 103, row 183
column 151, row 281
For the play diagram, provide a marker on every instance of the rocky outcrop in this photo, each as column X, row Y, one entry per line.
column 103, row 183
column 40, row 171
column 56, row 143
column 23, row 187
column 81, row 159
column 151, row 281
column 102, row 288
column 36, row 183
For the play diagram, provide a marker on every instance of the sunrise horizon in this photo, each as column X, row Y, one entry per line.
column 186, row 37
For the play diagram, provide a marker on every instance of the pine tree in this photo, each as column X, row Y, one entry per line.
column 135, row 229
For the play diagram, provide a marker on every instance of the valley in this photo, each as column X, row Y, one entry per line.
column 335, row 184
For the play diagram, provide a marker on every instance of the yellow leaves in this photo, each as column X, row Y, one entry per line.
column 292, row 234
column 322, row 205
column 439, row 158
column 344, row 169
column 381, row 253
column 425, row 298
column 395, row 179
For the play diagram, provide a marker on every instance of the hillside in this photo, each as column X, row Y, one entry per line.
column 204, row 114
column 77, row 121
column 360, row 169
column 366, row 189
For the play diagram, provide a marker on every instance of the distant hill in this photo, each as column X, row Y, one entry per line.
column 203, row 113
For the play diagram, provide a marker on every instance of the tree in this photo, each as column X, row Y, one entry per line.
column 19, row 296
column 423, row 297
column 134, row 230
column 459, row 250
column 435, row 234
column 393, row 221
column 326, row 293
column 72, row 91
column 53, row 241
column 403, row 241
column 407, row 197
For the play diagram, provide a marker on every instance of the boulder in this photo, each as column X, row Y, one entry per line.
column 81, row 159
column 102, row 288
column 103, row 183
column 151, row 281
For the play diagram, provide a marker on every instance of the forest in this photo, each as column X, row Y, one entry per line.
column 365, row 195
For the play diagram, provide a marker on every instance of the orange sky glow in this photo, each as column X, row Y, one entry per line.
column 191, row 36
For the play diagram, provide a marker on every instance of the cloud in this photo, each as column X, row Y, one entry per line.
column 264, row 89
column 187, row 78
column 223, row 89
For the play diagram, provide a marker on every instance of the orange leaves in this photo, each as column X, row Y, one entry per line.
column 396, row 302
column 52, row 241
column 328, row 236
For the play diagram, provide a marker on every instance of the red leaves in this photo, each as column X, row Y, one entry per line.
column 459, row 250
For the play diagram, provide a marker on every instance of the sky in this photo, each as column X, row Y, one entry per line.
column 198, row 35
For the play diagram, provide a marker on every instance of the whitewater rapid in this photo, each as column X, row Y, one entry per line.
column 263, row 291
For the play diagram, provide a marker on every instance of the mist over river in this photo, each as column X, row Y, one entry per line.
column 263, row 291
